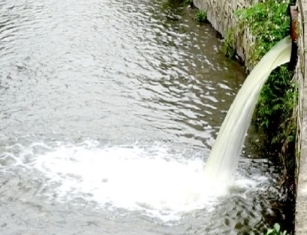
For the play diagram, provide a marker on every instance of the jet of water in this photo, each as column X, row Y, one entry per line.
column 224, row 156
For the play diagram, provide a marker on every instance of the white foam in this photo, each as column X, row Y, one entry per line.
column 131, row 177
column 155, row 180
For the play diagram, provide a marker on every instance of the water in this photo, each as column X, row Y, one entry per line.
column 108, row 114
column 225, row 153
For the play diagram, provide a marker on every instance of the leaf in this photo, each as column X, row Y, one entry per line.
column 270, row 232
column 277, row 227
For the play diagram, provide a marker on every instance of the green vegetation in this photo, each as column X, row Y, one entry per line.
column 188, row 2
column 229, row 44
column 275, row 114
column 201, row 16
column 268, row 22
column 276, row 231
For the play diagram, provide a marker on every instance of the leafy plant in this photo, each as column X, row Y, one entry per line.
column 267, row 21
column 229, row 44
column 275, row 113
column 276, row 231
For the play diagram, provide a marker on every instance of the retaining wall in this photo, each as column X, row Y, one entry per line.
column 301, row 158
column 220, row 13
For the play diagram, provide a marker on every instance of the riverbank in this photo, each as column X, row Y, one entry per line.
column 222, row 16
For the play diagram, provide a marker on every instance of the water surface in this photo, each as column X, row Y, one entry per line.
column 108, row 112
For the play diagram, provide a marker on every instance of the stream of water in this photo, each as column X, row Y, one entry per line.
column 109, row 110
column 224, row 155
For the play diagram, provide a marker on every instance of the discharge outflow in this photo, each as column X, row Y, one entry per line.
column 224, row 156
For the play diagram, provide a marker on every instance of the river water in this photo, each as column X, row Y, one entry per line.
column 109, row 110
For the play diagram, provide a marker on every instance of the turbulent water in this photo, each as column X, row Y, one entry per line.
column 108, row 112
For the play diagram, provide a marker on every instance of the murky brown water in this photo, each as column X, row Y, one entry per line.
column 86, row 80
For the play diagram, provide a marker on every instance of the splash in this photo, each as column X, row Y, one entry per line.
column 153, row 180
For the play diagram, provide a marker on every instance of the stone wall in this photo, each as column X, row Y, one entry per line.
column 301, row 158
column 220, row 14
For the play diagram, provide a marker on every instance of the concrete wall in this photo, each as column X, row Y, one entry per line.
column 301, row 160
column 220, row 13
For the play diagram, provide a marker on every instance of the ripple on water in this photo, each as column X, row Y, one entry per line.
column 120, row 72
column 156, row 181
